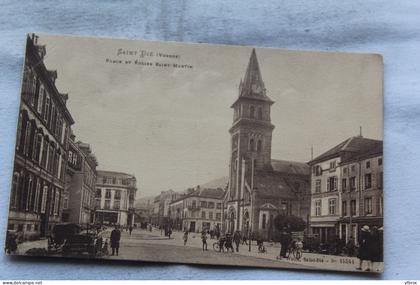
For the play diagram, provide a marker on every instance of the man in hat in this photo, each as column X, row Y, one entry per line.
column 115, row 240
column 364, row 247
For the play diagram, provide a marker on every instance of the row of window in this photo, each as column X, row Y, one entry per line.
column 39, row 99
column 33, row 144
column 115, row 180
column 31, row 194
column 317, row 169
column 21, row 227
column 349, row 184
column 204, row 204
column 332, row 207
column 204, row 215
column 117, row 194
column 253, row 112
column 116, row 205
column 255, row 147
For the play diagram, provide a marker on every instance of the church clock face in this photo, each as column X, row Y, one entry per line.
column 256, row 88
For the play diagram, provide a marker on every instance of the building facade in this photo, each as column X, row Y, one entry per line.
column 79, row 194
column 115, row 197
column 260, row 188
column 346, row 189
column 197, row 211
column 362, row 200
column 161, row 206
column 41, row 148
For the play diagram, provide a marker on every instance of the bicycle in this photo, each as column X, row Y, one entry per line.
column 216, row 246
column 294, row 252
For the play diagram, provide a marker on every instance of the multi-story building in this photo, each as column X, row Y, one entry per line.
column 79, row 194
column 338, row 191
column 41, row 148
column 260, row 188
column 161, row 206
column 144, row 210
column 362, row 191
column 115, row 197
column 197, row 211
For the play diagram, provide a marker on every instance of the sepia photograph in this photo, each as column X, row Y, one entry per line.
column 198, row 154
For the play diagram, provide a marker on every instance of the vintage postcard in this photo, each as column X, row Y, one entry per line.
column 198, row 153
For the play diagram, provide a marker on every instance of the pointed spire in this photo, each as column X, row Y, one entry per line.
column 252, row 85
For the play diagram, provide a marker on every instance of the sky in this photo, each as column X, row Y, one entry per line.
column 169, row 127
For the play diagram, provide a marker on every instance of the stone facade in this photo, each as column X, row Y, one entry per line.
column 115, row 196
column 260, row 188
column 79, row 194
column 346, row 189
column 41, row 148
column 197, row 211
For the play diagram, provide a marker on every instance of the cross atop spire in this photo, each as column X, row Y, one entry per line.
column 252, row 85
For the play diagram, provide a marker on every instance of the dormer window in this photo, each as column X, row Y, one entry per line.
column 332, row 166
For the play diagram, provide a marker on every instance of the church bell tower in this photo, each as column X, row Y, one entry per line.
column 251, row 131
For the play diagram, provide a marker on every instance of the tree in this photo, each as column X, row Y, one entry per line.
column 289, row 223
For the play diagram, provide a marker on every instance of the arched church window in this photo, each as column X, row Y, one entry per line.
column 264, row 220
column 259, row 146
column 259, row 113
column 252, row 145
column 252, row 112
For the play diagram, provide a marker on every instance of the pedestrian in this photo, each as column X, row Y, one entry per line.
column 169, row 232
column 228, row 242
column 222, row 241
column 285, row 241
column 11, row 243
column 350, row 247
column 204, row 239
column 364, row 245
column 115, row 240
column 244, row 240
column 237, row 239
column 376, row 248
column 185, row 237
column 130, row 228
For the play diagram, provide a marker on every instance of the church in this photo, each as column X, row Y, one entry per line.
column 260, row 188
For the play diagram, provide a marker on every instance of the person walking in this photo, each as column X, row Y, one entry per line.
column 244, row 240
column 285, row 240
column 185, row 237
column 350, row 247
column 228, row 242
column 222, row 241
column 115, row 240
column 376, row 248
column 204, row 239
column 237, row 239
column 130, row 229
column 364, row 245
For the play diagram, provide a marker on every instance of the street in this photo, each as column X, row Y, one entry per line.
column 146, row 246
column 152, row 246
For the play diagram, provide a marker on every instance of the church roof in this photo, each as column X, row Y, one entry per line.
column 290, row 167
column 252, row 86
column 351, row 148
column 278, row 185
